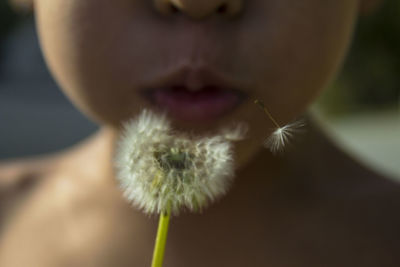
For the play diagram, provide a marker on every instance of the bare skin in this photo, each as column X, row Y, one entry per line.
column 325, row 210
column 315, row 206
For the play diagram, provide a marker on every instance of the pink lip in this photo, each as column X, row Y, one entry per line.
column 194, row 96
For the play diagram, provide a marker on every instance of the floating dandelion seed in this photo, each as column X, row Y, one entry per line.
column 159, row 169
column 281, row 137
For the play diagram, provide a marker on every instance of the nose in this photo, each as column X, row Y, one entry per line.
column 198, row 9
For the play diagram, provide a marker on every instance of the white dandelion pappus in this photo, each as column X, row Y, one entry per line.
column 159, row 169
column 282, row 136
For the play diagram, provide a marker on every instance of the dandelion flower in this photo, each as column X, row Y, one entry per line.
column 281, row 137
column 159, row 169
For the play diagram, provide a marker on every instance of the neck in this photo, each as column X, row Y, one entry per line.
column 254, row 181
column 263, row 196
column 92, row 159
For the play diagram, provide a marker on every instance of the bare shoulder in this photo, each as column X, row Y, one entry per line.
column 22, row 172
column 18, row 178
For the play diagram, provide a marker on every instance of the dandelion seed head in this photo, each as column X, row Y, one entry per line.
column 157, row 167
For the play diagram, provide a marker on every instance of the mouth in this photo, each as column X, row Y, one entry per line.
column 194, row 95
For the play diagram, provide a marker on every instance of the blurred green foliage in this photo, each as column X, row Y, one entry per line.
column 370, row 78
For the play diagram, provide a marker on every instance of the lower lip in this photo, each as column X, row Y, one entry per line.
column 205, row 105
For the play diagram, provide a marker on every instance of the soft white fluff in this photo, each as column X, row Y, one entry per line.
column 281, row 137
column 157, row 167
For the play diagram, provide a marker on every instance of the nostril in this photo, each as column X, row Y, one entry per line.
column 223, row 8
column 172, row 8
column 199, row 9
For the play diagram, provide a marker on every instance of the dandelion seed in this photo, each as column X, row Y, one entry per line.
column 159, row 169
column 282, row 136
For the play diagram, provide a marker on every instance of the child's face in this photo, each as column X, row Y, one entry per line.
column 105, row 53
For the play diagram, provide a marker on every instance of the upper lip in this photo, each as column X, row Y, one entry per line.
column 194, row 79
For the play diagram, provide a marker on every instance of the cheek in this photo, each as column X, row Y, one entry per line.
column 298, row 51
column 100, row 52
column 92, row 54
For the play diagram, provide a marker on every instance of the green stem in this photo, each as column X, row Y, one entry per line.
column 161, row 239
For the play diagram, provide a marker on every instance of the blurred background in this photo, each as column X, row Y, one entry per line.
column 361, row 110
column 35, row 117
